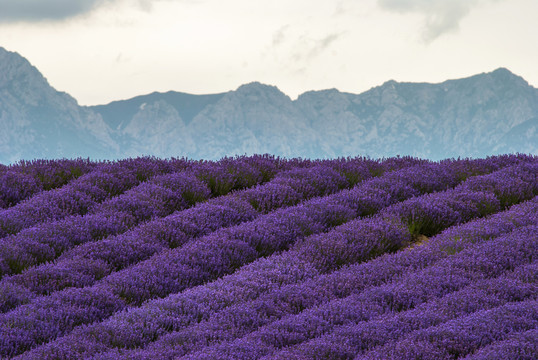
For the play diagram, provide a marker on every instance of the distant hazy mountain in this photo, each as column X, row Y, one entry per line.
column 37, row 121
column 475, row 116
column 481, row 115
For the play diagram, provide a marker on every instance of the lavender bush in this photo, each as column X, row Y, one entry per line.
column 262, row 257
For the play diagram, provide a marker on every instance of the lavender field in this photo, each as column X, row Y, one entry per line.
column 262, row 257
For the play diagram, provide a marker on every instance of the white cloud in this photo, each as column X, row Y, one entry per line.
column 39, row 10
column 59, row 10
column 441, row 16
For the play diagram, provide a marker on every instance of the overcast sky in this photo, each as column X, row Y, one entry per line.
column 104, row 50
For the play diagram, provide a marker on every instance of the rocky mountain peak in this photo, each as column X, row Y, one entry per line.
column 505, row 75
column 319, row 94
column 500, row 77
column 20, row 80
column 39, row 122
column 319, row 104
column 15, row 67
column 256, row 92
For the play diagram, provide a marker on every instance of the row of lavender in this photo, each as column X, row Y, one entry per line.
column 180, row 334
column 287, row 188
column 107, row 180
column 181, row 227
column 444, row 274
column 80, row 195
column 436, row 298
column 160, row 196
column 222, row 252
column 26, row 178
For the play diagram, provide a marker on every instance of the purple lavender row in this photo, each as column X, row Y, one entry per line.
column 45, row 242
column 139, row 326
column 516, row 286
column 158, row 197
column 241, row 172
column 26, row 178
column 302, row 182
column 290, row 223
column 82, row 194
column 402, row 179
column 350, row 340
column 521, row 345
column 355, row 241
column 413, row 289
column 294, row 259
column 347, row 249
column 111, row 179
column 92, row 261
column 220, row 253
column 399, row 225
column 422, row 184
column 460, row 337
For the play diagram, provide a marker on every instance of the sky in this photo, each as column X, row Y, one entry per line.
column 99, row 51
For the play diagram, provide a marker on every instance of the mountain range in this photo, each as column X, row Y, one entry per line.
column 485, row 114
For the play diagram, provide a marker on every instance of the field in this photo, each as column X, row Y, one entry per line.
column 268, row 258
